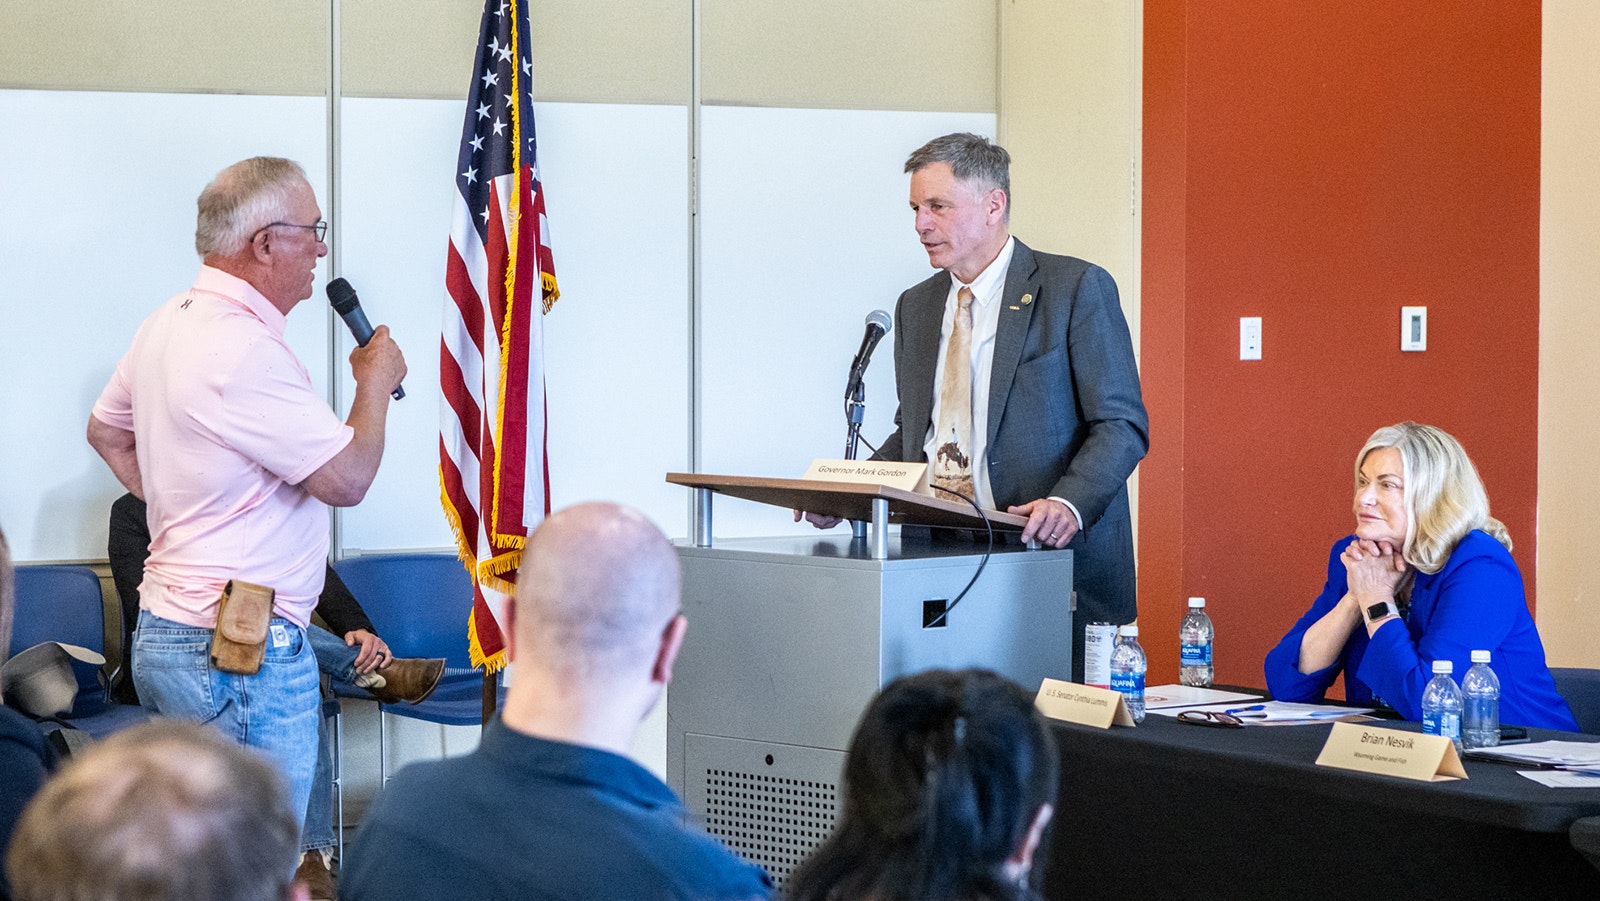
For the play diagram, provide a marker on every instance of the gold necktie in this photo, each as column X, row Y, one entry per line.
column 952, row 460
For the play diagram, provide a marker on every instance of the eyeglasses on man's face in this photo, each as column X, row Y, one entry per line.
column 319, row 228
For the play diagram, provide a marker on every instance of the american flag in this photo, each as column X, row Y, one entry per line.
column 500, row 279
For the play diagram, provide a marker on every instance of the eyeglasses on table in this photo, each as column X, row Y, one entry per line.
column 1216, row 719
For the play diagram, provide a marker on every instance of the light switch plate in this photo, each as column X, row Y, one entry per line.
column 1249, row 337
column 1414, row 328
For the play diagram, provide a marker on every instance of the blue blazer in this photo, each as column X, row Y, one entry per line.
column 1475, row 602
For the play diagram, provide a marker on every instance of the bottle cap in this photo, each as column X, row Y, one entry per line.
column 1130, row 631
column 1480, row 656
column 1196, row 603
column 1443, row 666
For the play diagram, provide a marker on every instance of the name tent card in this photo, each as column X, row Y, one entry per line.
column 1082, row 704
column 1391, row 752
column 905, row 476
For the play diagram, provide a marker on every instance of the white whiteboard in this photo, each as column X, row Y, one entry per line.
column 807, row 229
column 97, row 210
column 804, row 231
column 616, row 342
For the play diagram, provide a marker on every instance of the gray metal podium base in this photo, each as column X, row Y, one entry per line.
column 788, row 640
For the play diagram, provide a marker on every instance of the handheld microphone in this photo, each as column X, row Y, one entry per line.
column 878, row 325
column 348, row 306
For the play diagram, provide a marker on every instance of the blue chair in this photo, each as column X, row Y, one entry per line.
column 63, row 603
column 1581, row 689
column 420, row 605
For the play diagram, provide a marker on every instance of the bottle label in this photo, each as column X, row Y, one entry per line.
column 1097, row 641
column 1196, row 654
column 1438, row 722
column 1128, row 683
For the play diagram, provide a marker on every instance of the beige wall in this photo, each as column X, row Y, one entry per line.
column 1069, row 113
column 128, row 45
column 599, row 51
column 1569, row 326
column 934, row 55
column 1070, row 106
column 829, row 54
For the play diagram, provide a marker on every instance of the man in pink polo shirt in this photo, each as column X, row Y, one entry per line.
column 212, row 420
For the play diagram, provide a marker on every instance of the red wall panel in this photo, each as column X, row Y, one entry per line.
column 1320, row 165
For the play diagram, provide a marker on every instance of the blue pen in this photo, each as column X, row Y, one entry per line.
column 1238, row 710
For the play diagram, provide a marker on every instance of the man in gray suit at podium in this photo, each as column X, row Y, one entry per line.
column 1016, row 377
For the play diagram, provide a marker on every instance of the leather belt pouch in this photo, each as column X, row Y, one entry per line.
column 239, row 643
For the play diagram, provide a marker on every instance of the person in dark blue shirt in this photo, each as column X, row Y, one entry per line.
column 1428, row 575
column 25, row 758
column 548, row 806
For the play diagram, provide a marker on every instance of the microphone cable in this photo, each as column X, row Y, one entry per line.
column 988, row 528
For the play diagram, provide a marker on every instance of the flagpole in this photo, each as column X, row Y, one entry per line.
column 500, row 281
column 695, row 322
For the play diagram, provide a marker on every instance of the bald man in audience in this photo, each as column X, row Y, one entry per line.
column 548, row 806
column 168, row 810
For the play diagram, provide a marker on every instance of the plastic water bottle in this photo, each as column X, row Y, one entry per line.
column 1127, row 671
column 1480, row 704
column 1194, row 652
column 1441, row 704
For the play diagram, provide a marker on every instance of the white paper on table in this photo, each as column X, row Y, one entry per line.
column 1159, row 696
column 1561, row 778
column 1282, row 712
column 1547, row 753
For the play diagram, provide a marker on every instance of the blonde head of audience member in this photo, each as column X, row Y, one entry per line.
column 166, row 811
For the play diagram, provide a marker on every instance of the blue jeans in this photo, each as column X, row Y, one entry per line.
column 275, row 710
column 335, row 658
column 338, row 661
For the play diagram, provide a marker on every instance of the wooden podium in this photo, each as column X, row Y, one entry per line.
column 790, row 637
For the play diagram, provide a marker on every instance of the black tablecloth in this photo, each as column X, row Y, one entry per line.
column 1170, row 810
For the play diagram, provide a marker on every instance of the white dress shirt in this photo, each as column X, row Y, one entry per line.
column 986, row 291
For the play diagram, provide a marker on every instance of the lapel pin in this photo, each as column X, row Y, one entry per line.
column 1027, row 299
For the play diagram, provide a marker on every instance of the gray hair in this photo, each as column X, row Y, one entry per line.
column 1444, row 497
column 242, row 198
column 166, row 810
column 972, row 158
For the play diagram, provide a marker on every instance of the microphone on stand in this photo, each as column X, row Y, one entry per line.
column 878, row 325
column 855, row 402
column 348, row 306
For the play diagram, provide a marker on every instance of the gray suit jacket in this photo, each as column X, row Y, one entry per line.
column 1065, row 414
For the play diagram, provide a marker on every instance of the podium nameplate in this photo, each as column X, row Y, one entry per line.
column 904, row 476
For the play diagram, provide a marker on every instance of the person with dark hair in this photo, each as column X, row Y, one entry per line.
column 164, row 811
column 948, row 788
column 25, row 756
